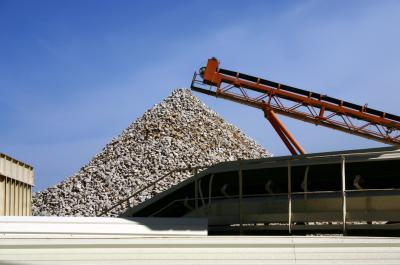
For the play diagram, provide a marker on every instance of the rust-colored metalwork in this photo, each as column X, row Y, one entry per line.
column 318, row 109
column 287, row 138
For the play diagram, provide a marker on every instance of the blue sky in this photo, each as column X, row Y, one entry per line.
column 74, row 74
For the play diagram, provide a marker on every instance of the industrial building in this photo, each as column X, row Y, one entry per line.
column 16, row 182
column 349, row 192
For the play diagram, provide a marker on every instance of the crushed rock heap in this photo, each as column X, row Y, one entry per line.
column 178, row 132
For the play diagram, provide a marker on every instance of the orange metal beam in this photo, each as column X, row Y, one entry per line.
column 288, row 139
column 306, row 108
column 214, row 78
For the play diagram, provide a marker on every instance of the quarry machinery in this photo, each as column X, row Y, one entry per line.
column 355, row 192
column 275, row 98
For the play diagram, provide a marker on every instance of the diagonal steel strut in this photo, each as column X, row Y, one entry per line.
column 287, row 138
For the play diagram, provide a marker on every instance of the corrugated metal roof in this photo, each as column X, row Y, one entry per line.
column 15, row 160
column 358, row 155
column 15, row 169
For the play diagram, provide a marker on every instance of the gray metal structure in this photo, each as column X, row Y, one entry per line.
column 349, row 192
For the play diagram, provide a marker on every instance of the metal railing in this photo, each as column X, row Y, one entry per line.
column 195, row 171
column 333, row 218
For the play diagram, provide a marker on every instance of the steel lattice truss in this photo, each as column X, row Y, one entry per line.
column 299, row 104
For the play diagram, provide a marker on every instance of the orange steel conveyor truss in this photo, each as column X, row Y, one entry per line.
column 318, row 109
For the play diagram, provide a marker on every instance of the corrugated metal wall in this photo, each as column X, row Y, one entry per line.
column 16, row 181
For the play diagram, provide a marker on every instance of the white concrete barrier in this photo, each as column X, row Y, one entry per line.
column 99, row 227
column 225, row 250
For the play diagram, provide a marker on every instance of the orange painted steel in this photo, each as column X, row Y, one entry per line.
column 287, row 138
column 296, row 103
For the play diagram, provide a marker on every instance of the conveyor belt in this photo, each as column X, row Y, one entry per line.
column 275, row 98
column 310, row 94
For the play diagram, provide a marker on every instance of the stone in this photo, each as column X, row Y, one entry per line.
column 181, row 131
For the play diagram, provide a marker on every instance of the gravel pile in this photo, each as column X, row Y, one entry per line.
column 178, row 132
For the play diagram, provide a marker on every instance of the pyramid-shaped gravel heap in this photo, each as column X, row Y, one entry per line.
column 178, row 132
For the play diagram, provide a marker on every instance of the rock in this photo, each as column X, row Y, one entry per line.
column 178, row 132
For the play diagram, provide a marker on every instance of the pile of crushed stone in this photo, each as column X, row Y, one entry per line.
column 179, row 132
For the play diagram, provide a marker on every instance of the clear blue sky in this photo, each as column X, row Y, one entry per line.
column 74, row 74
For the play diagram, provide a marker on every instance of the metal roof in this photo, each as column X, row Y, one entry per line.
column 358, row 155
column 15, row 169
column 2, row 155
